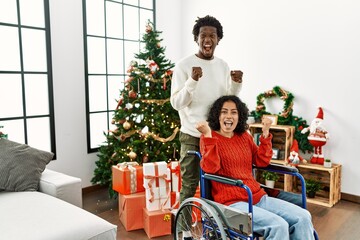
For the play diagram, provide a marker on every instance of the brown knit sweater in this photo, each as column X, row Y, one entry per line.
column 233, row 157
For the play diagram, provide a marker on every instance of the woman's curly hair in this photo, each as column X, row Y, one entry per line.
column 207, row 21
column 215, row 110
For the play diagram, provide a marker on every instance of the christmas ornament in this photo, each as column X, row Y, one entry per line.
column 317, row 137
column 126, row 125
column 119, row 103
column 148, row 28
column 127, row 86
column 132, row 94
column 145, row 158
column 295, row 159
column 132, row 155
column 129, row 106
column 152, row 66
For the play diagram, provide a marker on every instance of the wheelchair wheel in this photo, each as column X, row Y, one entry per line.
column 199, row 219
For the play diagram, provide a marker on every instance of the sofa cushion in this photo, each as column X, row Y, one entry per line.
column 21, row 166
column 38, row 216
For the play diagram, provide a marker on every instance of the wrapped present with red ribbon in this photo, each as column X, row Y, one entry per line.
column 175, row 176
column 131, row 210
column 157, row 184
column 157, row 223
column 127, row 178
column 175, row 200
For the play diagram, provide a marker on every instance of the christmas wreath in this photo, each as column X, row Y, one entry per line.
column 286, row 116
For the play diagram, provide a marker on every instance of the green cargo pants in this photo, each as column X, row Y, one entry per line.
column 189, row 166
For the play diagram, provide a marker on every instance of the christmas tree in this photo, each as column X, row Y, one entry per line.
column 145, row 125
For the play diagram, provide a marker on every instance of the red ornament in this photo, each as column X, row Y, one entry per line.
column 132, row 94
column 145, row 158
column 152, row 66
column 119, row 103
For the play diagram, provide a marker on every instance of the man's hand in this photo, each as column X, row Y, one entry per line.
column 196, row 73
column 236, row 75
column 204, row 128
column 266, row 126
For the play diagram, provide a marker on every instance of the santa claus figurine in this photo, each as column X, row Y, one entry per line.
column 295, row 159
column 318, row 137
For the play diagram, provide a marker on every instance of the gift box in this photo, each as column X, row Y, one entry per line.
column 156, row 174
column 131, row 210
column 175, row 176
column 127, row 178
column 157, row 185
column 157, row 223
column 157, row 198
column 175, row 200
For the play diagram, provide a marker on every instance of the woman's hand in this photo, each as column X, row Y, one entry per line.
column 266, row 126
column 236, row 75
column 204, row 128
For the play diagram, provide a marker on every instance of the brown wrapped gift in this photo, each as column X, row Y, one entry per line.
column 157, row 223
column 131, row 210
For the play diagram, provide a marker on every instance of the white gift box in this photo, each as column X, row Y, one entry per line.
column 175, row 176
column 157, row 198
column 157, row 185
column 156, row 174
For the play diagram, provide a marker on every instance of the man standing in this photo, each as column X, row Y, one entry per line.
column 198, row 80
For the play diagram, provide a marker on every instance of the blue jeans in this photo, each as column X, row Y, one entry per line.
column 276, row 219
column 294, row 198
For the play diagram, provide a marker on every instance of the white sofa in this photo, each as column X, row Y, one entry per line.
column 54, row 212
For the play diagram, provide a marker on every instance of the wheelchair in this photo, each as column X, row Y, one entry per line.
column 206, row 219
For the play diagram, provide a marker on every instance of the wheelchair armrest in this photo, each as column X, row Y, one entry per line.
column 221, row 179
column 279, row 168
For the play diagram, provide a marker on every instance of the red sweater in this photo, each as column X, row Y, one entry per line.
column 233, row 157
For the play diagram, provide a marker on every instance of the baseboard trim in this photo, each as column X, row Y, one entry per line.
column 92, row 188
column 350, row 197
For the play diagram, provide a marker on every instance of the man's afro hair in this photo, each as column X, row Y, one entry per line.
column 207, row 21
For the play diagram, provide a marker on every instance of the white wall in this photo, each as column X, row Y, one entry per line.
column 69, row 90
column 310, row 48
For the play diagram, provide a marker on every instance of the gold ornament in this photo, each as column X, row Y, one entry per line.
column 132, row 155
column 126, row 125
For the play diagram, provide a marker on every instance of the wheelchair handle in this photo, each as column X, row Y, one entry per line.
column 234, row 182
column 193, row 152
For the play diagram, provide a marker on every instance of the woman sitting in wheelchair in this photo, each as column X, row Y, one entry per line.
column 227, row 149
